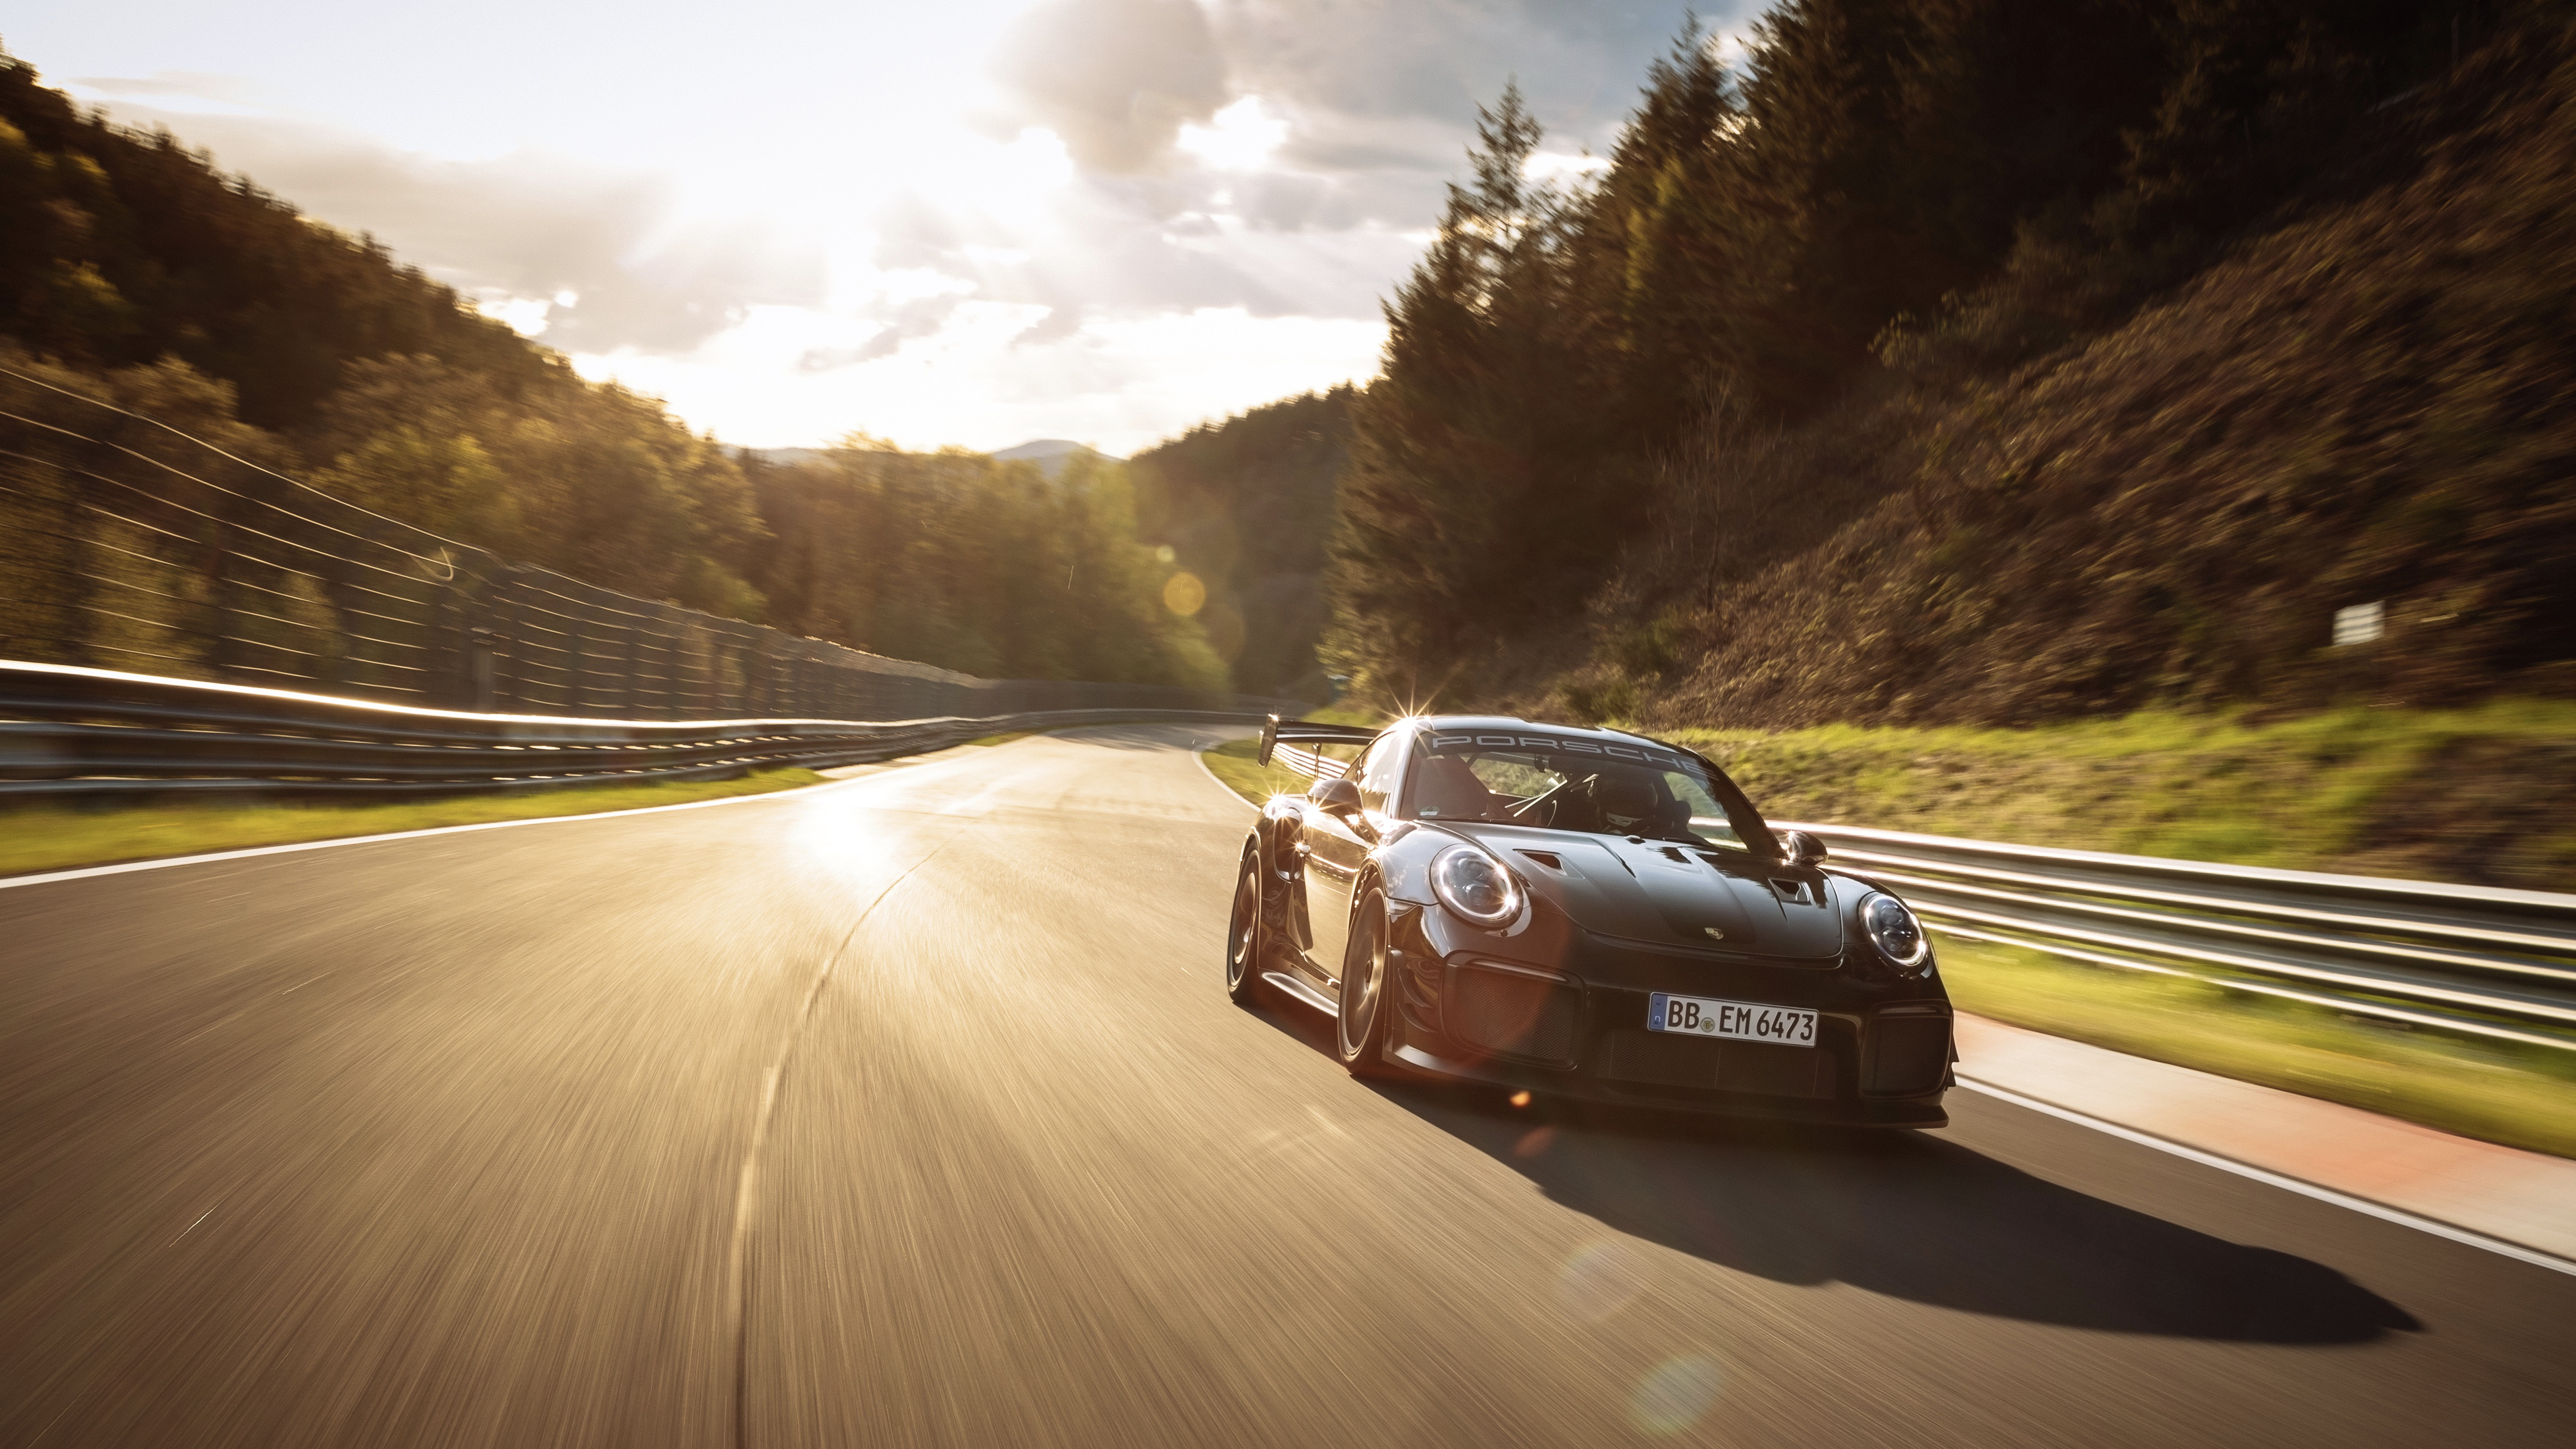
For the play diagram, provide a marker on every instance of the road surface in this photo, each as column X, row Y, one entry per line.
column 911, row 1110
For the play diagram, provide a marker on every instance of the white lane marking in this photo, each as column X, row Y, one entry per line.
column 746, row 1195
column 2304, row 1188
column 799, row 792
column 1231, row 793
column 192, row 1227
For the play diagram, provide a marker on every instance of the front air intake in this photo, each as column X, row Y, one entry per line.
column 1907, row 1055
column 1516, row 1013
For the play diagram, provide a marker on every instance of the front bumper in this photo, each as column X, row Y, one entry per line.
column 1881, row 1058
column 1920, row 1111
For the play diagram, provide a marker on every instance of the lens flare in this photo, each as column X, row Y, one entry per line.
column 1599, row 1280
column 1537, row 1141
column 1673, row 1396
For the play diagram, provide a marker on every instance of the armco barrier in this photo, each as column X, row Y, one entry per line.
column 71, row 733
column 2486, row 962
column 126, row 544
column 2490, row 962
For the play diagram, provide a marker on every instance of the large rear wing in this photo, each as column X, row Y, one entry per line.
column 1309, row 731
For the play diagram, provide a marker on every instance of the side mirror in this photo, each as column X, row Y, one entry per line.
column 1800, row 848
column 1335, row 797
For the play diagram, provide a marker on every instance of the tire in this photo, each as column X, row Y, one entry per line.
column 1246, row 940
column 1367, row 1005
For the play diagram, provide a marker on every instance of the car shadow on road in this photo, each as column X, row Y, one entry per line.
column 1906, row 1214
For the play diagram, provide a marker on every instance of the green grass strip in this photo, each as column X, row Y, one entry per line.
column 2521, row 1096
column 59, row 837
column 1234, row 763
column 2483, row 795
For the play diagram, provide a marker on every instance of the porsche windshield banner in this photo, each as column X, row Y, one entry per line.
column 1640, row 752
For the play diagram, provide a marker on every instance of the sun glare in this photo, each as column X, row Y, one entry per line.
column 1562, row 166
column 523, row 315
column 1238, row 138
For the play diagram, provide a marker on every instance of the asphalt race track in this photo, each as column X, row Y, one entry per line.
column 911, row 1111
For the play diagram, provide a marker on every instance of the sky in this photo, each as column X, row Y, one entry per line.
column 938, row 223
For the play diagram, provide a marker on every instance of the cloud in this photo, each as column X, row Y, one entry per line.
column 916, row 318
column 1579, row 64
column 1129, row 211
column 1118, row 382
column 610, row 255
column 1269, row 244
column 192, row 93
column 1238, row 138
column 1320, row 114
column 1116, row 79
column 1382, row 98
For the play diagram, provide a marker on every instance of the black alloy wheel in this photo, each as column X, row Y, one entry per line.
column 1360, row 1031
column 1243, row 933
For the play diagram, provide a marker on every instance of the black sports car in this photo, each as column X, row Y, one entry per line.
column 1584, row 913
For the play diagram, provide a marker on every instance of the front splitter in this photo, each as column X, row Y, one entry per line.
column 1912, row 1112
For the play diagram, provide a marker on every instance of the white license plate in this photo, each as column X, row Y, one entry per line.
column 1740, row 1020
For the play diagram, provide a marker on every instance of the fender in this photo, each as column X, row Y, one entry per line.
column 1283, row 864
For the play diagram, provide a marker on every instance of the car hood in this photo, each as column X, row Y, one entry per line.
column 1672, row 894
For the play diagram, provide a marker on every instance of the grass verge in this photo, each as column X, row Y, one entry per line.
column 1233, row 763
column 1004, row 738
column 2483, row 796
column 2497, row 1091
column 57, row 837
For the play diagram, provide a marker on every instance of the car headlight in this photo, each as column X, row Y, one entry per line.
column 1476, row 886
column 1893, row 929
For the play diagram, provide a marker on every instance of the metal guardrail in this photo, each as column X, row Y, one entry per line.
column 126, row 544
column 73, row 733
column 2472, row 959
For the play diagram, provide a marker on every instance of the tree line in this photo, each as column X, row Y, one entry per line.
column 1246, row 503
column 1882, row 197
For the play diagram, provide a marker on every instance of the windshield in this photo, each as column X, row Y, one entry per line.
column 1556, row 782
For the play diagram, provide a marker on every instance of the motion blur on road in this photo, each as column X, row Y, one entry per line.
column 909, row 1110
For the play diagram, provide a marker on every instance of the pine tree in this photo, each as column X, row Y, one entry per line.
column 1465, row 504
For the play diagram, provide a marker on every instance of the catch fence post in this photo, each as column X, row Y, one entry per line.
column 514, row 630
column 576, row 623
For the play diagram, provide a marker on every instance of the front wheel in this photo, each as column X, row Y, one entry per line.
column 1244, row 943
column 1360, row 1030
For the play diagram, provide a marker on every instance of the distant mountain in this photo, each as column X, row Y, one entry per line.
column 1049, row 454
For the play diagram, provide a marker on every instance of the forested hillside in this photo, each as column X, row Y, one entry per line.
column 986, row 567
column 1246, row 504
column 1995, row 360
column 131, row 270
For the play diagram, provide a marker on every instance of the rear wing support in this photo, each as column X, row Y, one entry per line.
column 1309, row 731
